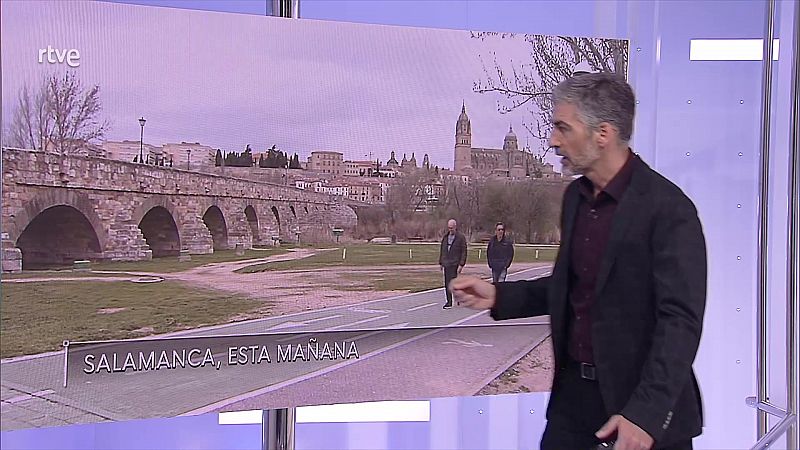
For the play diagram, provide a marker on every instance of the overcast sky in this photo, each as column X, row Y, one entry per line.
column 227, row 80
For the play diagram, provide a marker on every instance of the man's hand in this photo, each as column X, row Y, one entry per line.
column 629, row 435
column 473, row 292
column 460, row 268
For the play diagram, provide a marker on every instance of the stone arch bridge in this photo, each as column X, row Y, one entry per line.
column 58, row 209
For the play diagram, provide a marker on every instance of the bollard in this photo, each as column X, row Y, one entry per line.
column 344, row 253
column 82, row 266
column 479, row 253
column 537, row 253
column 410, row 256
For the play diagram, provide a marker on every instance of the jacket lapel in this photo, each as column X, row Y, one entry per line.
column 632, row 205
column 561, row 269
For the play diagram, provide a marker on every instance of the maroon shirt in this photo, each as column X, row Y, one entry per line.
column 589, row 240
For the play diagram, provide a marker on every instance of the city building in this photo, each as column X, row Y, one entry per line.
column 508, row 162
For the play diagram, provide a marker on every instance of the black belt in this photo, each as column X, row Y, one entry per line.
column 587, row 371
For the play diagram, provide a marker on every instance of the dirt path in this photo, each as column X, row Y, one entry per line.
column 134, row 278
column 532, row 373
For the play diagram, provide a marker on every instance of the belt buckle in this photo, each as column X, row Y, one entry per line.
column 588, row 372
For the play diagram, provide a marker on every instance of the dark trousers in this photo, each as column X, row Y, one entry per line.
column 499, row 275
column 577, row 412
column 450, row 272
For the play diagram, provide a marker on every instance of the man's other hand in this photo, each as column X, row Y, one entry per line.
column 629, row 435
column 473, row 292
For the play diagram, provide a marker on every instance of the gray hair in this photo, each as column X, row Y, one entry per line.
column 600, row 97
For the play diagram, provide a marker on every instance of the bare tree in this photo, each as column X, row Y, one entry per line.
column 61, row 115
column 406, row 195
column 31, row 122
column 530, row 83
column 529, row 208
column 463, row 202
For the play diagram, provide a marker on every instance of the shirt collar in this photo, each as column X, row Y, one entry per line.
column 618, row 184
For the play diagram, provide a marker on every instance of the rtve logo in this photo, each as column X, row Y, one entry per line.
column 55, row 56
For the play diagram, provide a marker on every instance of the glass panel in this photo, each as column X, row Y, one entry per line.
column 178, row 433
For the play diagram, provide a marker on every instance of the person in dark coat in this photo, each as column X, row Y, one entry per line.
column 499, row 253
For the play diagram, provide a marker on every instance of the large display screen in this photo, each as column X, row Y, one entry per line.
column 213, row 212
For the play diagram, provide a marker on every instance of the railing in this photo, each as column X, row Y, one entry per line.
column 789, row 419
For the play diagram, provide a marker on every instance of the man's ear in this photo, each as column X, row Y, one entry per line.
column 605, row 133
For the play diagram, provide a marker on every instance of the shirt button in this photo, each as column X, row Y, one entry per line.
column 586, row 239
column 578, row 317
column 584, row 269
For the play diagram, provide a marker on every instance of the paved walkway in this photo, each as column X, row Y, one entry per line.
column 423, row 354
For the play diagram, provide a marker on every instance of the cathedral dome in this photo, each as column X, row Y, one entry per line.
column 510, row 141
column 510, row 135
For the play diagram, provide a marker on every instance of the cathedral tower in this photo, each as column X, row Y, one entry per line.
column 463, row 149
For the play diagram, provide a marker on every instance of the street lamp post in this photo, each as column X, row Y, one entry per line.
column 141, row 140
column 188, row 157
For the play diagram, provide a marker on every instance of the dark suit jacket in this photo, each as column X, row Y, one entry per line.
column 457, row 256
column 648, row 313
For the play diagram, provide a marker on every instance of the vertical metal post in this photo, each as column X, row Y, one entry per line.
column 141, row 145
column 763, row 238
column 277, row 429
column 793, row 280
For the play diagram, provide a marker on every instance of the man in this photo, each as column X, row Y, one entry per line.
column 626, row 296
column 499, row 253
column 452, row 257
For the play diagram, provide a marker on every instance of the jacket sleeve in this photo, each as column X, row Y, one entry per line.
column 441, row 253
column 679, row 274
column 489, row 253
column 463, row 245
column 518, row 299
column 510, row 254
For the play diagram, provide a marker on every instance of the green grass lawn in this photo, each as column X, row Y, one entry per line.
column 66, row 273
column 171, row 264
column 37, row 317
column 409, row 281
column 384, row 254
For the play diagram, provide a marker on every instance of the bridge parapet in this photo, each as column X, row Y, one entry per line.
column 56, row 209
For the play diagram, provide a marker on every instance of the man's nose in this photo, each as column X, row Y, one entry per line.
column 553, row 141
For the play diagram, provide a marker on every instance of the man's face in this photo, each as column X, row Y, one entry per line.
column 574, row 141
column 500, row 231
column 451, row 227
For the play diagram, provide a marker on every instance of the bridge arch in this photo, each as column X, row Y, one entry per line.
column 160, row 225
column 149, row 203
column 277, row 216
column 22, row 218
column 58, row 236
column 160, row 232
column 252, row 221
column 215, row 222
column 57, row 227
